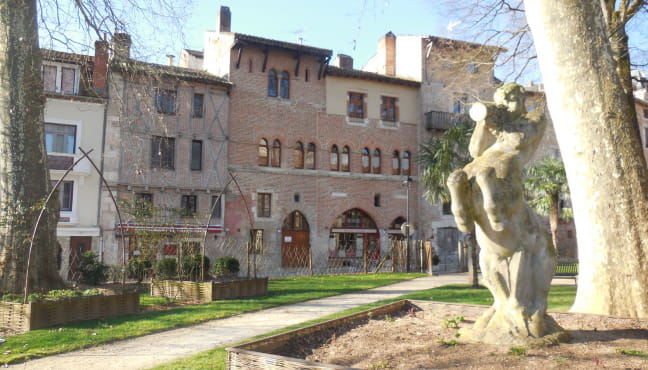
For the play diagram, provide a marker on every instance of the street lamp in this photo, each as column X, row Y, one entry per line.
column 407, row 183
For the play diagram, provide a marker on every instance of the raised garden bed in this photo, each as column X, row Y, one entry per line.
column 37, row 315
column 259, row 353
column 209, row 290
column 424, row 335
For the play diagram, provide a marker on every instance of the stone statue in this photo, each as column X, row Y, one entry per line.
column 517, row 257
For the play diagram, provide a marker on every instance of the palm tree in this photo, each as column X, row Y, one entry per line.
column 546, row 185
column 440, row 156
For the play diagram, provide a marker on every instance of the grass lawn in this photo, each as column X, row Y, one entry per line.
column 43, row 342
column 560, row 299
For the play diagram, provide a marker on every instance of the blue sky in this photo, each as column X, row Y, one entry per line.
column 350, row 27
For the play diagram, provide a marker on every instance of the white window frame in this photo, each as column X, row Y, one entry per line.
column 59, row 75
column 73, row 214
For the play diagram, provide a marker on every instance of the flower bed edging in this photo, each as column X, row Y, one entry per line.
column 210, row 290
column 37, row 315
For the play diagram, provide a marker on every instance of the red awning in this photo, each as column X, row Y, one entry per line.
column 167, row 228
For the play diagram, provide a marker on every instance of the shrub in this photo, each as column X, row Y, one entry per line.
column 191, row 268
column 12, row 297
column 166, row 269
column 92, row 271
column 435, row 260
column 139, row 268
column 226, row 266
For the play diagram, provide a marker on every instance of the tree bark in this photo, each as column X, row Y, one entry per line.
column 602, row 152
column 24, row 177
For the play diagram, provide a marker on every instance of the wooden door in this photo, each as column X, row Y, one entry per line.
column 295, row 248
column 78, row 246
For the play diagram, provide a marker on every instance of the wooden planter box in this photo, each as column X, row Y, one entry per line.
column 37, row 315
column 210, row 290
column 260, row 354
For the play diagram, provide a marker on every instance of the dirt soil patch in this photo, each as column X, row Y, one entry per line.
column 423, row 338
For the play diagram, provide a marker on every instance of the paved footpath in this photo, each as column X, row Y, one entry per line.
column 155, row 349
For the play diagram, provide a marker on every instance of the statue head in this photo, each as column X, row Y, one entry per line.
column 510, row 96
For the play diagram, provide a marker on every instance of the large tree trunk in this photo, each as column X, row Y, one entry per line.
column 24, row 178
column 601, row 149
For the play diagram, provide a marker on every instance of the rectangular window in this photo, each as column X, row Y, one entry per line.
column 188, row 205
column 388, row 109
column 263, row 204
column 356, row 105
column 65, row 195
column 164, row 101
column 60, row 79
column 645, row 112
column 170, row 249
column 49, row 78
column 216, row 202
column 459, row 103
column 196, row 155
column 198, row 105
column 162, row 152
column 60, row 138
column 67, row 80
column 446, row 208
column 144, row 197
column 143, row 204
column 646, row 137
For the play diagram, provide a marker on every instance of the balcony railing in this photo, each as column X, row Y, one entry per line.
column 63, row 161
column 443, row 120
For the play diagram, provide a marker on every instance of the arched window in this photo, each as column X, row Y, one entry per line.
column 334, row 158
column 396, row 163
column 272, row 83
column 344, row 160
column 405, row 165
column 263, row 152
column 284, row 86
column 365, row 161
column 310, row 156
column 298, row 155
column 276, row 154
column 375, row 161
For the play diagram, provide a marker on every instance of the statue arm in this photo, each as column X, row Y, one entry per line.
column 481, row 139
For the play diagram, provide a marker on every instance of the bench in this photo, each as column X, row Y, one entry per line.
column 567, row 269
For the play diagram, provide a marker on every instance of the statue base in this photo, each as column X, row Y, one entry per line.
column 511, row 327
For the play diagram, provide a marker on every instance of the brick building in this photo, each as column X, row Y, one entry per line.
column 331, row 146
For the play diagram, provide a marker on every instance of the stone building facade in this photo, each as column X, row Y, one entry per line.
column 165, row 158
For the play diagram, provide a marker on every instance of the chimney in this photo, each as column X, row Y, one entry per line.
column 388, row 45
column 121, row 44
column 171, row 57
column 343, row 61
column 100, row 71
column 224, row 19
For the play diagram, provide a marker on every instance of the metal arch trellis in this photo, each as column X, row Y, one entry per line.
column 47, row 199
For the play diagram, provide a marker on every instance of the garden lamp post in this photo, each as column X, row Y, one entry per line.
column 407, row 183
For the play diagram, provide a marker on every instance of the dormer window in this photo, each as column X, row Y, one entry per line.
column 61, row 78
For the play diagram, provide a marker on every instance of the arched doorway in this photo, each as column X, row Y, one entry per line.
column 354, row 240
column 295, row 241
